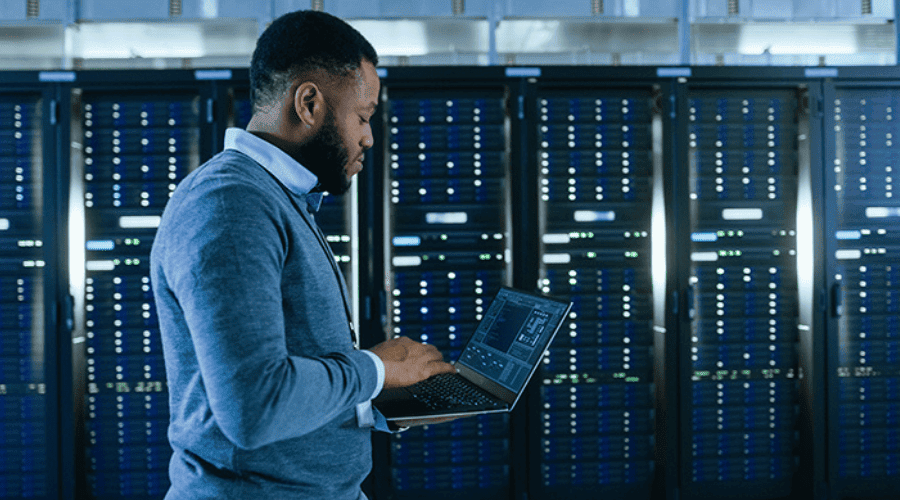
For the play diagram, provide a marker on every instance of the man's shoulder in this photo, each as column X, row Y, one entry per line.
column 229, row 182
column 228, row 168
column 228, row 162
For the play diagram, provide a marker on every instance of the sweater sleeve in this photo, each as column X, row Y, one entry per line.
column 225, row 252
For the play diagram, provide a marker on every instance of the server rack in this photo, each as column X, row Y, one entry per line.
column 132, row 145
column 447, row 251
column 745, row 407
column 29, row 364
column 861, row 252
column 597, row 152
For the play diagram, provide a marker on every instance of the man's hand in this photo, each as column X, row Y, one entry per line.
column 407, row 361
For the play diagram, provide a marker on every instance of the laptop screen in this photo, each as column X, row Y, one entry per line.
column 512, row 337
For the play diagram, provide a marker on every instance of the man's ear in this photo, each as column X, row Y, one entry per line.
column 309, row 104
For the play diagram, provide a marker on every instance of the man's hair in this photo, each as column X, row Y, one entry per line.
column 299, row 42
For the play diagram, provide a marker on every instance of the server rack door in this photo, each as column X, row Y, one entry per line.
column 133, row 148
column 592, row 430
column 447, row 251
column 27, row 463
column 740, row 366
column 862, row 250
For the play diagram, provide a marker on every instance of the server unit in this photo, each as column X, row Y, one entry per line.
column 447, row 238
column 863, row 278
column 28, row 462
column 592, row 428
column 135, row 148
column 740, row 350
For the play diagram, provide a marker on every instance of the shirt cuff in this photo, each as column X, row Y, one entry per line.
column 379, row 367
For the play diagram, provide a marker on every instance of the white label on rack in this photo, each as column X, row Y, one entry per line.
column 521, row 72
column 704, row 256
column 139, row 221
column 557, row 258
column 100, row 265
column 406, row 261
column 742, row 214
column 673, row 72
column 882, row 212
column 4, row 224
column 555, row 239
column 446, row 217
column 594, row 216
column 848, row 254
column 821, row 72
column 56, row 76
column 212, row 74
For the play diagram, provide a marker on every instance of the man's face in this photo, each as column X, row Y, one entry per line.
column 336, row 153
column 326, row 156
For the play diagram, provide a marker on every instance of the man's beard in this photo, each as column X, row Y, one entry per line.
column 326, row 156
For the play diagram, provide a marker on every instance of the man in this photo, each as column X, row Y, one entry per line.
column 268, row 397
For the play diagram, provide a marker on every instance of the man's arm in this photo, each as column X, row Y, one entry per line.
column 223, row 262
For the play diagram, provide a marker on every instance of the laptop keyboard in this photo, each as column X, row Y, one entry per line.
column 446, row 391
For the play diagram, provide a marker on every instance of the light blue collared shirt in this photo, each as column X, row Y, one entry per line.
column 300, row 181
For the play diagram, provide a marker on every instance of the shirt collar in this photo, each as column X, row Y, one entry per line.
column 297, row 178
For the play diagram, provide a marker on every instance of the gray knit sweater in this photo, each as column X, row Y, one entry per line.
column 263, row 378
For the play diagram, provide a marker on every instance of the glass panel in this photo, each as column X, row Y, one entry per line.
column 596, row 192
column 865, row 382
column 135, row 148
column 741, row 399
column 447, row 249
column 23, row 399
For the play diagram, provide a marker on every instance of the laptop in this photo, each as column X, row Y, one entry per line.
column 493, row 369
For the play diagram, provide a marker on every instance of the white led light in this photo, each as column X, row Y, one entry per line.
column 139, row 221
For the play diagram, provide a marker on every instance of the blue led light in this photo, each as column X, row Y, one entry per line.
column 407, row 241
column 704, row 237
column 848, row 235
column 100, row 245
